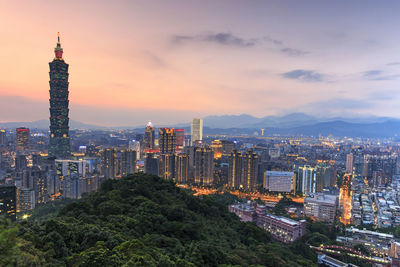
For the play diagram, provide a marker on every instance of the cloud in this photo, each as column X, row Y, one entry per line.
column 393, row 64
column 304, row 75
column 372, row 73
column 293, row 52
column 273, row 41
column 229, row 39
column 226, row 39
column 378, row 75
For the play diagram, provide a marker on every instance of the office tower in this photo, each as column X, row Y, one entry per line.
column 321, row 207
column 149, row 137
column 306, row 182
column 216, row 146
column 127, row 162
column 151, row 163
column 3, row 137
column 180, row 137
column 182, row 168
column 8, row 201
column 235, row 169
column 108, row 163
column 59, row 145
column 196, row 131
column 349, row 163
column 276, row 181
column 22, row 138
column 203, row 166
column 324, row 176
column 250, row 170
column 167, row 166
column 167, row 140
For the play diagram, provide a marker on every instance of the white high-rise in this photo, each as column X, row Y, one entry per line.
column 196, row 131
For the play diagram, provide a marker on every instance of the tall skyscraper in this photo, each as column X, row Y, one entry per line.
column 108, row 163
column 349, row 163
column 250, row 170
column 22, row 138
column 3, row 137
column 127, row 162
column 182, row 168
column 167, row 140
column 151, row 163
column 149, row 137
column 235, row 169
column 167, row 166
column 204, row 166
column 307, row 180
column 196, row 131
column 59, row 145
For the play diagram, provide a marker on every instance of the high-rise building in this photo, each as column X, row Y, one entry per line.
column 108, row 163
column 149, row 137
column 59, row 145
column 167, row 166
column 180, row 137
column 196, row 131
column 22, row 138
column 235, row 169
column 182, row 168
column 203, row 166
column 250, row 170
column 306, row 180
column 3, row 137
column 325, row 177
column 8, row 201
column 216, row 146
column 167, row 140
column 127, row 162
column 349, row 163
column 151, row 163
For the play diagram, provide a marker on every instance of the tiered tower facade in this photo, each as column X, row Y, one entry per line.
column 59, row 130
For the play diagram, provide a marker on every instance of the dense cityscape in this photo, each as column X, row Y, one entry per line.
column 214, row 190
column 348, row 182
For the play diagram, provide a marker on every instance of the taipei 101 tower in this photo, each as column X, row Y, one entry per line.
column 59, row 145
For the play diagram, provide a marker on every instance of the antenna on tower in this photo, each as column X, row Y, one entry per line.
column 58, row 36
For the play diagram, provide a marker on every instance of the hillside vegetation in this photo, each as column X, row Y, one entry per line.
column 143, row 220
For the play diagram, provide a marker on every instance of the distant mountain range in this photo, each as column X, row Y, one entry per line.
column 292, row 124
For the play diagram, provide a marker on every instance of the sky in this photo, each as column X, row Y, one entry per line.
column 171, row 61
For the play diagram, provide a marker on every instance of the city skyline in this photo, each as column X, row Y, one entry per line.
column 248, row 59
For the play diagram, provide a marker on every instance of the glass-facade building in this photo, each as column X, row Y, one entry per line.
column 59, row 145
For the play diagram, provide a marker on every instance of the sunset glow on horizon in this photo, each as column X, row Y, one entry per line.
column 169, row 61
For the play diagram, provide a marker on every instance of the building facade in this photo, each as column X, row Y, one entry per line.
column 196, row 131
column 22, row 138
column 167, row 140
column 59, row 145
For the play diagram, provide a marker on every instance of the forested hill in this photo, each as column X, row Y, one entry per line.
column 143, row 220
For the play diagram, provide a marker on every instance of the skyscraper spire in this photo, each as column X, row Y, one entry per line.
column 58, row 50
